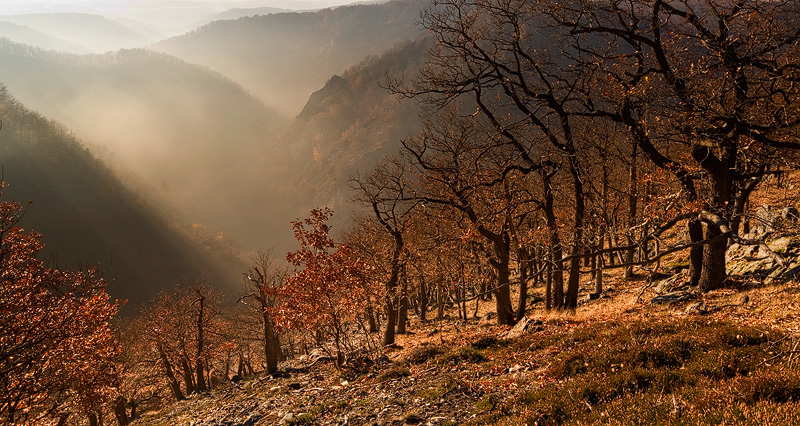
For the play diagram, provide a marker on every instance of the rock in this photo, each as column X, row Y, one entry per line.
column 697, row 308
column 671, row 283
column 765, row 220
column 413, row 419
column 287, row 419
column 790, row 214
column 252, row 420
column 525, row 325
column 673, row 297
column 780, row 245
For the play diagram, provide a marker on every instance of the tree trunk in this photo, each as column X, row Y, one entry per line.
column 120, row 411
column 134, row 413
column 240, row 368
column 713, row 273
column 573, row 285
column 402, row 315
column 373, row 324
column 555, row 282
column 188, row 375
column 170, row 374
column 391, row 321
column 632, row 211
column 439, row 298
column 272, row 343
column 423, row 300
column 505, row 314
column 62, row 419
column 200, row 361
column 598, row 278
column 695, row 229
column 524, row 267
column 742, row 200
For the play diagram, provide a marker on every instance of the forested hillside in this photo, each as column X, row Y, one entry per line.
column 282, row 58
column 89, row 218
column 347, row 126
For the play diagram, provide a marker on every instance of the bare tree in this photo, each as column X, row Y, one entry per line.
column 262, row 284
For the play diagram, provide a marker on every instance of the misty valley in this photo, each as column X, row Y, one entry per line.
column 286, row 212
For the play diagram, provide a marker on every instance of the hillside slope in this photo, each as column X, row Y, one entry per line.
column 87, row 217
column 346, row 127
column 620, row 360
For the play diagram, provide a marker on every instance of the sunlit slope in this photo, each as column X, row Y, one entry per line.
column 283, row 58
column 192, row 136
column 87, row 217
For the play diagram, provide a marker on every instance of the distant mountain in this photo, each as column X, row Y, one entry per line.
column 93, row 33
column 192, row 136
column 88, row 217
column 25, row 35
column 236, row 13
column 282, row 58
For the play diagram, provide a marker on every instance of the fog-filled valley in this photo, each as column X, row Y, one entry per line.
column 226, row 133
column 88, row 217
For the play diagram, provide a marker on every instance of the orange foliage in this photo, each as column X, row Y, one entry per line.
column 325, row 294
column 56, row 347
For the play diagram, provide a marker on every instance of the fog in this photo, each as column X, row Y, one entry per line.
column 206, row 128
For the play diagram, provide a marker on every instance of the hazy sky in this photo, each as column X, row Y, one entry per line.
column 30, row 6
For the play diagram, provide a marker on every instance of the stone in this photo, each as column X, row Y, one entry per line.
column 413, row 419
column 780, row 245
column 741, row 300
column 697, row 308
column 673, row 297
column 525, row 325
column 766, row 220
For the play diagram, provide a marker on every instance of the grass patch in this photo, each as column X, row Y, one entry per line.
column 465, row 354
column 422, row 354
column 628, row 375
column 396, row 371
column 439, row 390
column 302, row 419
